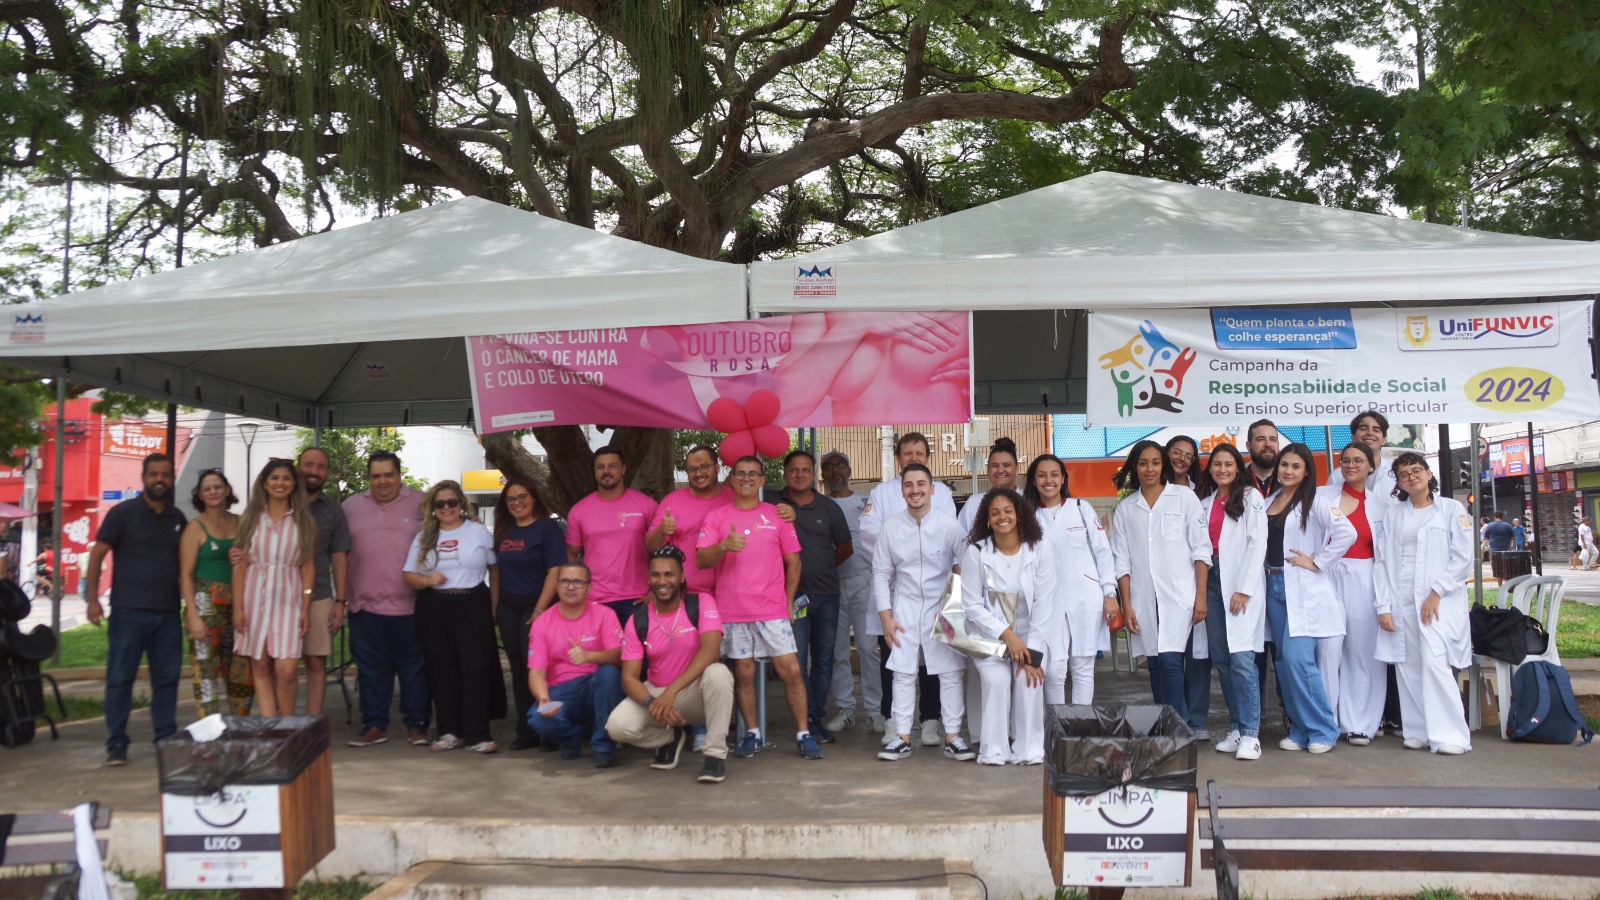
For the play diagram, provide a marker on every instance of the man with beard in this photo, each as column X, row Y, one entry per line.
column 332, row 561
column 607, row 531
column 677, row 519
column 146, row 620
column 1262, row 442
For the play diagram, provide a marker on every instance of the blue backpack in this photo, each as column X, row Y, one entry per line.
column 1543, row 709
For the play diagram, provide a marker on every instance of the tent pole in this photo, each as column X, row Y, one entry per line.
column 1327, row 452
column 316, row 425
column 56, row 510
column 1533, row 517
column 1477, row 532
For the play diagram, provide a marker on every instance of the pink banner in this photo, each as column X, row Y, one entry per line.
column 856, row 368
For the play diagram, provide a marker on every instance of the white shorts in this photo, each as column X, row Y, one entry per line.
column 748, row 640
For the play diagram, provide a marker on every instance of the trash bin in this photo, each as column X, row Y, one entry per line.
column 1119, row 796
column 249, row 810
column 1510, row 563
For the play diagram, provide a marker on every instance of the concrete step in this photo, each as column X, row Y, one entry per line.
column 726, row 879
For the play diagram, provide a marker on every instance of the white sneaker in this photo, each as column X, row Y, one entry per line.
column 1249, row 748
column 1228, row 744
column 932, row 734
column 843, row 720
column 878, row 724
column 1319, row 748
column 1452, row 750
column 1289, row 744
column 1415, row 744
column 1359, row 740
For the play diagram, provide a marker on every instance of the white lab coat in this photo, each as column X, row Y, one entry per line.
column 1313, row 604
column 1157, row 549
column 969, row 510
column 1036, row 612
column 885, row 502
column 1380, row 492
column 910, row 568
column 1241, row 553
column 1085, row 575
column 1444, row 559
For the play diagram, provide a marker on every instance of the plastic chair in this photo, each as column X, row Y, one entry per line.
column 1539, row 598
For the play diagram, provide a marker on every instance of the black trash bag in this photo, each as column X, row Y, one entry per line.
column 1092, row 749
column 250, row 751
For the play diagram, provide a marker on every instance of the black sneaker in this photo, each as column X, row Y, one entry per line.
column 117, row 756
column 713, row 772
column 823, row 735
column 897, row 750
column 667, row 754
column 957, row 749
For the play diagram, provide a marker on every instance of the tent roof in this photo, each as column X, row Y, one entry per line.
column 1119, row 240
column 364, row 323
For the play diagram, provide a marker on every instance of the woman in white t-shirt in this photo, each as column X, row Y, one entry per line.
column 447, row 565
column 1086, row 577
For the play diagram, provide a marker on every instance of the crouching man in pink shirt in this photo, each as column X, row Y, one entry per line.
column 573, row 651
column 671, row 672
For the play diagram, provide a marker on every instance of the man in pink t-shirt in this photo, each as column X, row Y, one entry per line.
column 678, row 519
column 756, row 555
column 606, row 530
column 684, row 684
column 573, row 651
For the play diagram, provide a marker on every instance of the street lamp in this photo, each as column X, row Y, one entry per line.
column 247, row 433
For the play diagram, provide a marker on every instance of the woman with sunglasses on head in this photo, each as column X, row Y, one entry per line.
column 1355, row 680
column 1305, row 537
column 272, row 587
column 528, row 547
column 221, row 678
column 1423, row 557
column 1087, row 598
column 450, row 559
column 1235, row 518
column 1162, row 559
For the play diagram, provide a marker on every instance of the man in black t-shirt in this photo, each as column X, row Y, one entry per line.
column 146, row 621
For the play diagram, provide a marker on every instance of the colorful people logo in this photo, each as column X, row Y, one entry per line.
column 1148, row 371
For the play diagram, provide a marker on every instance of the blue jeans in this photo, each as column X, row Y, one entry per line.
column 387, row 647
column 135, row 633
column 1166, row 680
column 814, row 638
column 586, row 704
column 1305, row 701
column 1236, row 669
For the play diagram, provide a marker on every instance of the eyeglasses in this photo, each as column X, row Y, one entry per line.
column 696, row 470
column 519, row 498
column 446, row 503
column 747, row 476
column 1409, row 474
column 1180, row 454
column 571, row 582
column 1353, row 461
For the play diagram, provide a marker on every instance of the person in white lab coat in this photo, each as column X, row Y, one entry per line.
column 1360, row 680
column 1007, row 553
column 884, row 503
column 1002, row 470
column 1235, row 519
column 1161, row 556
column 1087, row 598
column 1305, row 537
column 1184, row 456
column 911, row 566
column 1424, row 554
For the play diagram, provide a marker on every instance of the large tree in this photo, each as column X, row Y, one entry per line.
column 721, row 129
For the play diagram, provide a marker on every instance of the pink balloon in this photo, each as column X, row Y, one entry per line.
column 725, row 415
column 761, row 408
column 771, row 440
column 737, row 445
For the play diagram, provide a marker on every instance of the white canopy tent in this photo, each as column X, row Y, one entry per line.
column 1030, row 265
column 363, row 325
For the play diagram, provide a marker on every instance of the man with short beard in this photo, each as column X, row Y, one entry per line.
column 332, row 562
column 607, row 531
column 1262, row 442
column 146, row 620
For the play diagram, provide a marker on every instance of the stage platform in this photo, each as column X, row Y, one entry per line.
column 400, row 806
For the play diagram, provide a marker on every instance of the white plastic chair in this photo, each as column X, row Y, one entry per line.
column 1539, row 598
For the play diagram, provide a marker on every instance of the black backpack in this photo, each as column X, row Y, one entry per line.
column 1543, row 709
column 641, row 626
column 1506, row 634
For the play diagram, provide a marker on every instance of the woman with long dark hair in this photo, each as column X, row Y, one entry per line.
column 222, row 680
column 528, row 548
column 1183, row 454
column 273, row 588
column 1087, row 577
column 1002, row 471
column 1006, row 555
column 1355, row 680
column 1424, row 553
column 1162, row 557
column 1305, row 537
column 1235, row 517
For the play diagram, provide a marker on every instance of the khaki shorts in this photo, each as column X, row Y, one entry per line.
column 319, row 642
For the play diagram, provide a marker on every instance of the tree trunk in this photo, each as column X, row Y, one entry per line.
column 569, row 477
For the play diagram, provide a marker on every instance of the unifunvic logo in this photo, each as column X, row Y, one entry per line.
column 1148, row 371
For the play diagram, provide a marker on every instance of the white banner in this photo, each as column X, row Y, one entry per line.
column 1525, row 362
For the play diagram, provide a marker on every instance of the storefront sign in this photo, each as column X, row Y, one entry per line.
column 825, row 369
column 1507, row 458
column 1522, row 362
column 1128, row 837
column 228, row 840
column 132, row 439
column 1556, row 482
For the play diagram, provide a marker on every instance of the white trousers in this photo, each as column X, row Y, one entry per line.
column 1329, row 652
column 1363, row 680
column 1013, row 716
column 855, row 600
column 952, row 700
column 1055, row 680
column 1590, row 554
column 1430, row 701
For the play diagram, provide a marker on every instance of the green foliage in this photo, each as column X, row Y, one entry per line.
column 1578, row 632
column 150, row 888
column 1438, row 893
column 686, row 439
column 348, row 449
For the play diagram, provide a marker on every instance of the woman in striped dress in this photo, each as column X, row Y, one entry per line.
column 273, row 584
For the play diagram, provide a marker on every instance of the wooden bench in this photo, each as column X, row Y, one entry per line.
column 1303, row 842
column 60, row 855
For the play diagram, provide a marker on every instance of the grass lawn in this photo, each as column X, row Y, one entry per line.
column 1578, row 632
column 337, row 889
column 86, row 646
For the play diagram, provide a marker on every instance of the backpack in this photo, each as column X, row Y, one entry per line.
column 1506, row 634
column 1543, row 709
column 641, row 626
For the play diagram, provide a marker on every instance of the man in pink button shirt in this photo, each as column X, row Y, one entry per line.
column 607, row 531
column 383, row 634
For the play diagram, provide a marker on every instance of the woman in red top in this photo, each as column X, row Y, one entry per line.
column 1354, row 678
